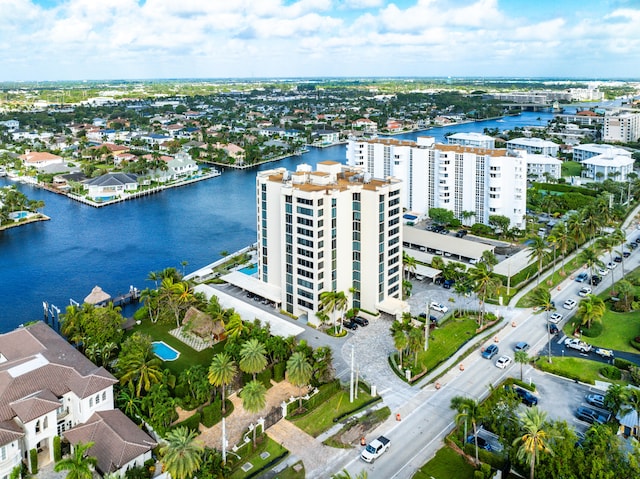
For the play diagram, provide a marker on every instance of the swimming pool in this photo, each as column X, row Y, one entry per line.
column 18, row 215
column 164, row 351
column 250, row 270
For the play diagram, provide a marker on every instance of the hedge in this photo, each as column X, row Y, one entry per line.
column 265, row 377
column 564, row 188
column 622, row 363
column 192, row 423
column 33, row 455
column 325, row 392
column 278, row 371
column 212, row 414
column 57, row 449
column 611, row 372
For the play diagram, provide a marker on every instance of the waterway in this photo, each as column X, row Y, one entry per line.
column 116, row 247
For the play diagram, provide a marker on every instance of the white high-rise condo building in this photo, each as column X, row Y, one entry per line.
column 334, row 229
column 458, row 178
column 623, row 127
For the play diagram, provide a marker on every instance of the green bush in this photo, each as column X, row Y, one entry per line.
column 57, row 449
column 594, row 331
column 212, row 414
column 622, row 363
column 265, row 377
column 635, row 344
column 192, row 423
column 611, row 372
column 278, row 371
column 325, row 392
column 33, row 456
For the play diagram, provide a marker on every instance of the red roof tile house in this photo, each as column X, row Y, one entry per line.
column 39, row 159
column 47, row 387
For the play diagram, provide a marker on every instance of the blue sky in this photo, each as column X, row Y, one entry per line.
column 121, row 39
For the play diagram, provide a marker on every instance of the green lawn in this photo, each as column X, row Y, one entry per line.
column 188, row 356
column 266, row 446
column 446, row 464
column 571, row 168
column 584, row 370
column 321, row 418
column 617, row 330
column 444, row 342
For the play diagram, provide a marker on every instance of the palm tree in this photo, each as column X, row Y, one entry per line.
column 344, row 474
column 535, row 437
column 521, row 357
column 631, row 403
column 538, row 251
column 138, row 370
column 466, row 215
column 253, row 397
column 222, row 371
column 606, row 244
column 299, row 371
column 233, row 326
column 575, row 229
column 619, row 238
column 253, row 357
column 468, row 411
column 408, row 264
column 561, row 234
column 541, row 298
column 484, row 285
column 149, row 298
column 332, row 301
column 154, row 276
column 400, row 341
column 416, row 343
column 589, row 257
column 79, row 465
column 590, row 309
column 129, row 402
column 182, row 454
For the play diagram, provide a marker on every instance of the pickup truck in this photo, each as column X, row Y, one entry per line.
column 605, row 353
column 375, row 449
column 574, row 343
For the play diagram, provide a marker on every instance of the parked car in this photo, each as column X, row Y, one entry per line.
column 595, row 280
column 361, row 321
column 596, row 400
column 584, row 292
column 632, row 245
column 439, row 307
column 592, row 416
column 503, row 362
column 569, row 304
column 448, row 283
column 637, row 240
column 618, row 259
column 605, row 353
column 461, row 233
column 490, row 351
column 603, row 271
column 575, row 343
column 555, row 318
column 521, row 346
column 525, row 396
column 582, row 277
column 350, row 324
column 553, row 329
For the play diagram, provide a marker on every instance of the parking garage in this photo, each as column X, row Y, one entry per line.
column 427, row 244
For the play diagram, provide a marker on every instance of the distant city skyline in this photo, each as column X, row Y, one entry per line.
column 136, row 39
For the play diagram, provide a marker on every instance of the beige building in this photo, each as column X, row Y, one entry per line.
column 333, row 229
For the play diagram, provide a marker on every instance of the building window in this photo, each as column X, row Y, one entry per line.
column 38, row 426
column 45, row 423
column 3, row 453
column 97, row 399
column 90, row 402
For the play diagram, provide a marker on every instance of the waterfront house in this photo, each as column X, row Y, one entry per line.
column 111, row 185
column 47, row 388
column 39, row 159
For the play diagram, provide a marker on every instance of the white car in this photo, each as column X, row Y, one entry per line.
column 603, row 271
column 612, row 265
column 555, row 318
column 584, row 292
column 503, row 361
column 438, row 307
column 569, row 304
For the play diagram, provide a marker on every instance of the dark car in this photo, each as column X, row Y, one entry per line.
column 448, row 283
column 632, row 245
column 592, row 416
column 595, row 280
column 525, row 396
column 482, row 442
column 349, row 324
column 361, row 321
column 490, row 351
column 461, row 233
column 637, row 240
column 553, row 329
column 618, row 259
column 626, row 254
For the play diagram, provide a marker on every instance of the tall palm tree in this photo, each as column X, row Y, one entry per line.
column 575, row 229
column 540, row 297
column 468, row 411
column 233, row 326
column 416, row 343
column 253, row 397
column 222, row 372
column 522, row 358
column 590, row 309
column 589, row 257
column 619, row 238
column 534, row 439
column 149, row 298
column 400, row 341
column 605, row 243
column 332, row 302
column 484, row 284
column 561, row 234
column 182, row 454
column 79, row 465
column 408, row 264
column 538, row 251
column 253, row 357
column 299, row 371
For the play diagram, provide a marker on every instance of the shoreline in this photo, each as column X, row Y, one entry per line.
column 35, row 219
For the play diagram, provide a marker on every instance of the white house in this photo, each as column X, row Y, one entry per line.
column 533, row 145
column 111, row 185
column 589, row 150
column 47, row 387
column 602, row 167
column 40, row 159
column 365, row 124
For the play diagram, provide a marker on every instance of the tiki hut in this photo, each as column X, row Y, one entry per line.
column 202, row 325
column 97, row 296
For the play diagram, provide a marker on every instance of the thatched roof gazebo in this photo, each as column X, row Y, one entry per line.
column 97, row 296
column 202, row 325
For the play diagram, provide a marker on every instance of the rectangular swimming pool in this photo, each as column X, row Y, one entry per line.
column 164, row 351
column 250, row 270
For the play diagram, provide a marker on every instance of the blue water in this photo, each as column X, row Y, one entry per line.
column 250, row 270
column 164, row 351
column 119, row 245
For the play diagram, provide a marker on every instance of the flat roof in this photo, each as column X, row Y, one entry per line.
column 249, row 312
column 250, row 283
column 427, row 271
column 449, row 243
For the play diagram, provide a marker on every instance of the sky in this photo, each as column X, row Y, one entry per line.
column 154, row 39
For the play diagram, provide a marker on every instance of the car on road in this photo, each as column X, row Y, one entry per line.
column 637, row 240
column 575, row 343
column 584, row 292
column 612, row 264
column 569, row 304
column 592, row 416
column 596, row 400
column 521, row 346
column 349, row 324
column 595, row 280
column 605, row 353
column 626, row 254
column 361, row 321
column 555, row 318
column 503, row 362
column 632, row 245
column 603, row 271
column 553, row 329
column 527, row 398
column 582, row 277
column 439, row 307
column 490, row 351
column 461, row 233
column 618, row 259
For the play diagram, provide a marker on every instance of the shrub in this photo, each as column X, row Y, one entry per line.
column 57, row 449
column 635, row 374
column 212, row 414
column 611, row 372
column 265, row 377
column 622, row 363
column 594, row 331
column 33, row 456
column 192, row 423
column 635, row 344
column 278, row 371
